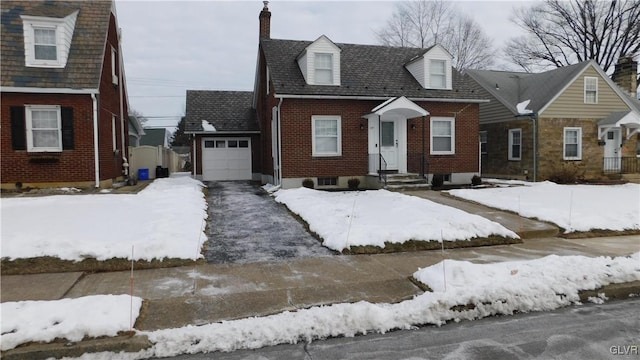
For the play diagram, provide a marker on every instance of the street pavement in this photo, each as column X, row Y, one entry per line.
column 200, row 294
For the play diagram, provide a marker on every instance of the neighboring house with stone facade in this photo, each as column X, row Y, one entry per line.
column 63, row 95
column 573, row 119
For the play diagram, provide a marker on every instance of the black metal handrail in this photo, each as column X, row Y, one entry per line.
column 622, row 165
column 377, row 164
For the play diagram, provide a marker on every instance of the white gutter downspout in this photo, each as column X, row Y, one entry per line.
column 195, row 156
column 96, row 159
column 125, row 162
column 279, row 145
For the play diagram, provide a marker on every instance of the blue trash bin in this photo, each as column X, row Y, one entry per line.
column 143, row 174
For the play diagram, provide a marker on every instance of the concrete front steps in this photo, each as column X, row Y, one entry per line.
column 406, row 182
column 632, row 178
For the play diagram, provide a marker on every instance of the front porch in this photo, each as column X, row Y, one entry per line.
column 614, row 132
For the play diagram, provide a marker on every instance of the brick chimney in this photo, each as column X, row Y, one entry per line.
column 265, row 22
column 626, row 75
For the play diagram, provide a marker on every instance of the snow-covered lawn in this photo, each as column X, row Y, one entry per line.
column 572, row 207
column 166, row 219
column 71, row 319
column 345, row 219
column 500, row 288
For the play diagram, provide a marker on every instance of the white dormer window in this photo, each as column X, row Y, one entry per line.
column 432, row 69
column 47, row 40
column 438, row 74
column 320, row 62
column 324, row 69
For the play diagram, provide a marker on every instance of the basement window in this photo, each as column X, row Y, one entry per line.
column 327, row 181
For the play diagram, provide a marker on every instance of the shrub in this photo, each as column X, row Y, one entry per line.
column 353, row 183
column 437, row 180
column 308, row 183
column 476, row 180
column 567, row 173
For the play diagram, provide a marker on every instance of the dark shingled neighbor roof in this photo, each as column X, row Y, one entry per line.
column 540, row 88
column 366, row 70
column 84, row 63
column 225, row 110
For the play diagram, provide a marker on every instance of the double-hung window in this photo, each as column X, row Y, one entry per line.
column 572, row 143
column 44, row 44
column 44, row 128
column 443, row 136
column 323, row 69
column 438, row 74
column 590, row 90
column 326, row 135
column 515, row 144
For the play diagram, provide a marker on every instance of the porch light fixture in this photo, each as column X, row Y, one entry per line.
column 413, row 126
column 361, row 126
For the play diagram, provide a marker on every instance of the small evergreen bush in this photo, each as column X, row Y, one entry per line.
column 353, row 183
column 476, row 180
column 308, row 183
column 437, row 180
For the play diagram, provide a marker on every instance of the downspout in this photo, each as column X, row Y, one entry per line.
column 195, row 157
column 96, row 153
column 125, row 162
column 379, row 147
column 534, row 120
column 424, row 129
column 279, row 144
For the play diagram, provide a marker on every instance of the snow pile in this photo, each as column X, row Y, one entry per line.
column 167, row 219
column 572, row 207
column 206, row 126
column 501, row 288
column 71, row 319
column 522, row 108
column 345, row 219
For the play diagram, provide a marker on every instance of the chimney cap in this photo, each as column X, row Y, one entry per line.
column 266, row 6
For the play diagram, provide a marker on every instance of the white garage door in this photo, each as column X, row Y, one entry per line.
column 226, row 159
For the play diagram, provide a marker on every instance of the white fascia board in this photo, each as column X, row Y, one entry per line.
column 338, row 97
column 32, row 90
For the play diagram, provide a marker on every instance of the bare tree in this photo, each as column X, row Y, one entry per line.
column 138, row 115
column 425, row 23
column 561, row 32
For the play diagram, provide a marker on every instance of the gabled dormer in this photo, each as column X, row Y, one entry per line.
column 320, row 62
column 47, row 40
column 432, row 69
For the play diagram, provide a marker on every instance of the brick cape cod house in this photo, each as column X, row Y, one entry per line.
column 572, row 121
column 331, row 112
column 63, row 95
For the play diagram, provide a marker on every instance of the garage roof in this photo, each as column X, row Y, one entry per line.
column 226, row 111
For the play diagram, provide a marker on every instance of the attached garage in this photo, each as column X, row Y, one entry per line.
column 226, row 159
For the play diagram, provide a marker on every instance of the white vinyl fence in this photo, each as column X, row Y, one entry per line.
column 149, row 157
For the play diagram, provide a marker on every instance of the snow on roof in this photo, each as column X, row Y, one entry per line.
column 206, row 126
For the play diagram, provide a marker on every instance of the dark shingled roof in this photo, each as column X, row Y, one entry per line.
column 225, row 110
column 84, row 64
column 366, row 70
column 540, row 88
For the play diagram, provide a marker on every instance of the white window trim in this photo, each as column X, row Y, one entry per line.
column 316, row 68
column 338, row 118
column 564, row 143
column 453, row 135
column 114, row 66
column 444, row 74
column 585, row 89
column 28, row 113
column 511, row 155
column 64, row 33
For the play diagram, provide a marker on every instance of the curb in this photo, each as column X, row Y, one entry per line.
column 124, row 343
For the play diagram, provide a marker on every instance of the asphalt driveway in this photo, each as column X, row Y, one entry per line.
column 247, row 225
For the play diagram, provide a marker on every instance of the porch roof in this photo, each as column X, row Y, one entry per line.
column 399, row 106
column 628, row 119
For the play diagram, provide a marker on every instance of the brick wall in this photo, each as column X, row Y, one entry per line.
column 297, row 159
column 66, row 166
column 496, row 162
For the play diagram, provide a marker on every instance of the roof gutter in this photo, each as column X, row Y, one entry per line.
column 378, row 98
column 32, row 90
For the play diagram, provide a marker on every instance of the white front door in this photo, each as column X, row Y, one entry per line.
column 612, row 150
column 389, row 143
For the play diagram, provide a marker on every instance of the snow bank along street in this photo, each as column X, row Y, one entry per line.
column 357, row 218
column 572, row 207
column 498, row 288
column 166, row 219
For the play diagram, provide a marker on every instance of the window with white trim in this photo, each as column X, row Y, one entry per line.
column 114, row 66
column 443, row 136
column 483, row 142
column 326, row 135
column 590, row 90
column 515, row 144
column 44, row 43
column 572, row 143
column 47, row 40
column 44, row 128
column 438, row 74
column 323, row 69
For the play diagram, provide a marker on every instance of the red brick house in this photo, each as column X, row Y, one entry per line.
column 63, row 95
column 331, row 112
